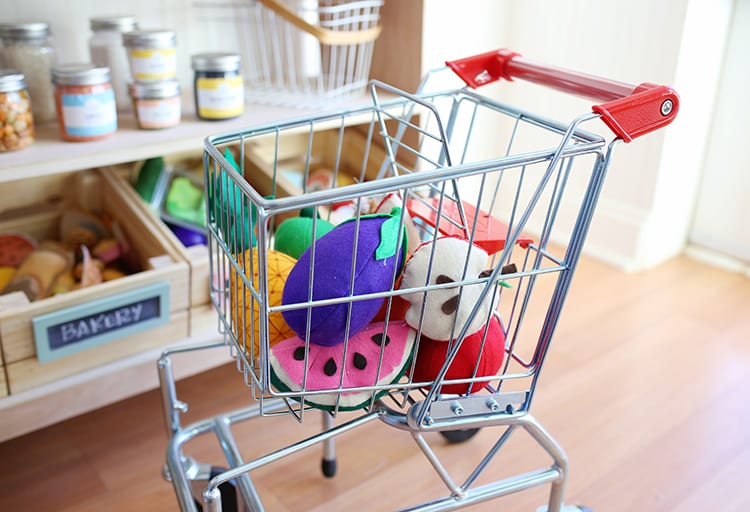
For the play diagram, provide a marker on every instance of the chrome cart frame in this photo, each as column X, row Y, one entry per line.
column 526, row 207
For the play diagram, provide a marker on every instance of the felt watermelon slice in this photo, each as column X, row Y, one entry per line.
column 362, row 367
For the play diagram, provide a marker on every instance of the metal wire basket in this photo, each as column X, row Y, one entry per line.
column 306, row 52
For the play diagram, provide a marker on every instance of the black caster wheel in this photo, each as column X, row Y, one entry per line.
column 459, row 436
column 328, row 467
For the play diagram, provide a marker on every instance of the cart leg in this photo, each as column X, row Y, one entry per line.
column 328, row 464
column 546, row 441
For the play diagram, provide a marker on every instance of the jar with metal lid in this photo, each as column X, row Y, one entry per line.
column 85, row 102
column 218, row 87
column 152, row 54
column 28, row 48
column 156, row 104
column 107, row 50
column 16, row 119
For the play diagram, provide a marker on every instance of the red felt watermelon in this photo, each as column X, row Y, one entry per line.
column 432, row 353
column 359, row 359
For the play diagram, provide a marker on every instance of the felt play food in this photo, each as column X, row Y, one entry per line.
column 6, row 273
column 394, row 200
column 91, row 270
column 185, row 201
column 380, row 248
column 235, row 215
column 81, row 228
column 279, row 265
column 14, row 247
column 37, row 273
column 442, row 306
column 321, row 367
column 489, row 232
column 295, row 234
column 486, row 355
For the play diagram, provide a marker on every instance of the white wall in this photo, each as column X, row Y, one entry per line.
column 646, row 206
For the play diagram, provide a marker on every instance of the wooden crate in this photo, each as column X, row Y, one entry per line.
column 163, row 280
column 3, row 382
column 202, row 315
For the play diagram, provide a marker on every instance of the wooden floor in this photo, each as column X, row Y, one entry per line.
column 647, row 387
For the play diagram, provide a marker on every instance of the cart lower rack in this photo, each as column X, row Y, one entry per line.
column 407, row 262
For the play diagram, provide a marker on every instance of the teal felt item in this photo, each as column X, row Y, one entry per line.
column 231, row 210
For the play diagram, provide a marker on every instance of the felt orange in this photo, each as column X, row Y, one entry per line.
column 246, row 309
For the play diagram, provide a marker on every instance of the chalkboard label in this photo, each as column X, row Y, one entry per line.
column 85, row 326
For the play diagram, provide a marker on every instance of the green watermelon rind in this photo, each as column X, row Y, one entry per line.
column 283, row 388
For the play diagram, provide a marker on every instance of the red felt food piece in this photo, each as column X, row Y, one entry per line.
column 14, row 247
column 431, row 357
column 489, row 233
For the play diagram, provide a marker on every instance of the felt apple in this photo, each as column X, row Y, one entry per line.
column 478, row 356
column 440, row 263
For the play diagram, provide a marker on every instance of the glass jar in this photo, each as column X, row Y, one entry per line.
column 218, row 88
column 86, row 108
column 28, row 48
column 152, row 54
column 16, row 119
column 107, row 50
column 156, row 104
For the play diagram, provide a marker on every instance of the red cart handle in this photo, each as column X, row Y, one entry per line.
column 629, row 111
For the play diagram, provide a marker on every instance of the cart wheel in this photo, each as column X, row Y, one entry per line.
column 328, row 467
column 459, row 436
column 229, row 494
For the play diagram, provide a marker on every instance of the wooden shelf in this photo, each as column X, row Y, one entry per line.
column 49, row 154
column 77, row 394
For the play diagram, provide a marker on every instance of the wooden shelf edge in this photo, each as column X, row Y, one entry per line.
column 71, row 396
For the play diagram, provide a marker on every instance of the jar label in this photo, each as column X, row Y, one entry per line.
column 153, row 64
column 86, row 115
column 161, row 113
column 220, row 98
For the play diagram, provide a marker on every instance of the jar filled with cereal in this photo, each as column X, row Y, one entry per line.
column 16, row 120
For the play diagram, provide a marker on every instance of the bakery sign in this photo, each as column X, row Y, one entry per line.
column 84, row 326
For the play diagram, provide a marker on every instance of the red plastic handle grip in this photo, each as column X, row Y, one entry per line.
column 629, row 111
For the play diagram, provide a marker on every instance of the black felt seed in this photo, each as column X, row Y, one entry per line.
column 299, row 353
column 330, row 368
column 360, row 361
column 381, row 339
column 442, row 279
column 450, row 306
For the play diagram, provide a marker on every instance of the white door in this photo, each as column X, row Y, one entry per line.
column 722, row 217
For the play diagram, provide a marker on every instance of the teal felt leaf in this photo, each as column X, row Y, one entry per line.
column 389, row 235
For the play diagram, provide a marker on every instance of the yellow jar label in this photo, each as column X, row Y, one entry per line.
column 220, row 98
column 153, row 64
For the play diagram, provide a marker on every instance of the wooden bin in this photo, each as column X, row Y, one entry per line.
column 3, row 382
column 33, row 334
column 202, row 315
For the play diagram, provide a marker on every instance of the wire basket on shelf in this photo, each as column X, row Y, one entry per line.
column 307, row 52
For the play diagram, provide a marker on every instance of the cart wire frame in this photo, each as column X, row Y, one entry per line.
column 527, row 208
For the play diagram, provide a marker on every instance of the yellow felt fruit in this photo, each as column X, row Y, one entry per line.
column 241, row 297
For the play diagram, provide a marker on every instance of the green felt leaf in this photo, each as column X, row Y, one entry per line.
column 389, row 235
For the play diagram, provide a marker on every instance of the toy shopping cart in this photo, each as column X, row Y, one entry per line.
column 407, row 262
